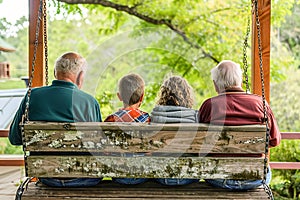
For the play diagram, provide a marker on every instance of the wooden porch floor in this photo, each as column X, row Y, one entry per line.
column 10, row 179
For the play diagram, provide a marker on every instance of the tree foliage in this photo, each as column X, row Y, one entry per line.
column 156, row 38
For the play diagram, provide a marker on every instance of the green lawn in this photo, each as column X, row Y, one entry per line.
column 13, row 83
column 7, row 148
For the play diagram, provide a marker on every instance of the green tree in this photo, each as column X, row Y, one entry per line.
column 192, row 37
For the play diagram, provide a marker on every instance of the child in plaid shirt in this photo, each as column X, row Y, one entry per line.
column 131, row 93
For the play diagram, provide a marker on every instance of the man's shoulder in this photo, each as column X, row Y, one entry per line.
column 42, row 88
column 249, row 97
column 86, row 95
column 235, row 95
column 243, row 97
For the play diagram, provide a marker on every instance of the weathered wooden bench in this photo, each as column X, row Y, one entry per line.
column 197, row 151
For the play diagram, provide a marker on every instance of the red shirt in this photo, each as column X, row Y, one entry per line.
column 235, row 107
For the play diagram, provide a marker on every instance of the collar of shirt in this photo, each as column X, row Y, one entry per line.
column 64, row 84
column 232, row 90
column 130, row 109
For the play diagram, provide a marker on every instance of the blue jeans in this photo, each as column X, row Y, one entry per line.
column 130, row 181
column 74, row 182
column 176, row 181
column 239, row 184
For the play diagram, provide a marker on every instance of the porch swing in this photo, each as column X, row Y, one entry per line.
column 96, row 149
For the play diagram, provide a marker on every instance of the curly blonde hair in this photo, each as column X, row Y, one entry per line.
column 176, row 91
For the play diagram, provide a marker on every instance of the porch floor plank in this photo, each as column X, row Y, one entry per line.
column 10, row 178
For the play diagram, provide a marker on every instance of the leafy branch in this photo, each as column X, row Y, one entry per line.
column 134, row 12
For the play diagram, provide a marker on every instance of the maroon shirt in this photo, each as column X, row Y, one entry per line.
column 235, row 107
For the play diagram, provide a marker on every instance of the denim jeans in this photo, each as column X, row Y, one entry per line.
column 75, row 182
column 130, row 181
column 176, row 181
column 239, row 184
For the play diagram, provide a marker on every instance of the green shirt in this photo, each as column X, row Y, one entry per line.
column 60, row 102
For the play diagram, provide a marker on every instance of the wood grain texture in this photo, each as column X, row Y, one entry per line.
column 135, row 137
column 146, row 166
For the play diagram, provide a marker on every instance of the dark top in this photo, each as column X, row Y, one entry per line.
column 60, row 102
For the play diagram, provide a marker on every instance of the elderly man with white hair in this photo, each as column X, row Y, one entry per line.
column 233, row 106
column 63, row 101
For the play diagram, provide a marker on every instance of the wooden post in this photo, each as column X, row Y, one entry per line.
column 39, row 72
column 264, row 12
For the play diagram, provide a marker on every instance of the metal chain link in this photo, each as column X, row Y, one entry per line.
column 25, row 117
column 45, row 42
column 245, row 62
column 258, row 27
column 38, row 23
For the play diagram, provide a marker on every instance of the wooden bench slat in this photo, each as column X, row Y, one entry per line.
column 101, row 137
column 35, row 125
column 149, row 190
column 151, row 167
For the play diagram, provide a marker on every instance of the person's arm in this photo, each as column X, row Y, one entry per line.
column 275, row 136
column 15, row 136
column 98, row 113
column 204, row 114
column 110, row 118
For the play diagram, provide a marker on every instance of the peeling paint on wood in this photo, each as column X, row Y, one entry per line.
column 102, row 149
column 112, row 137
column 151, row 167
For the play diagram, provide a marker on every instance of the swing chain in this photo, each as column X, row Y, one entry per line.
column 25, row 117
column 45, row 42
column 36, row 41
column 258, row 27
column 245, row 63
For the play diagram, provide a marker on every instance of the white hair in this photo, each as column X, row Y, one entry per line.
column 227, row 74
column 71, row 63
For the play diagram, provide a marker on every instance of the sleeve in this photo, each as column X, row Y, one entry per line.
column 15, row 136
column 275, row 136
column 204, row 114
column 148, row 119
column 98, row 113
column 110, row 118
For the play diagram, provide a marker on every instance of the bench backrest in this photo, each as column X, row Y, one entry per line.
column 100, row 149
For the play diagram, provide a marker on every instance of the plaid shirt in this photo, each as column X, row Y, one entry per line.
column 128, row 115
